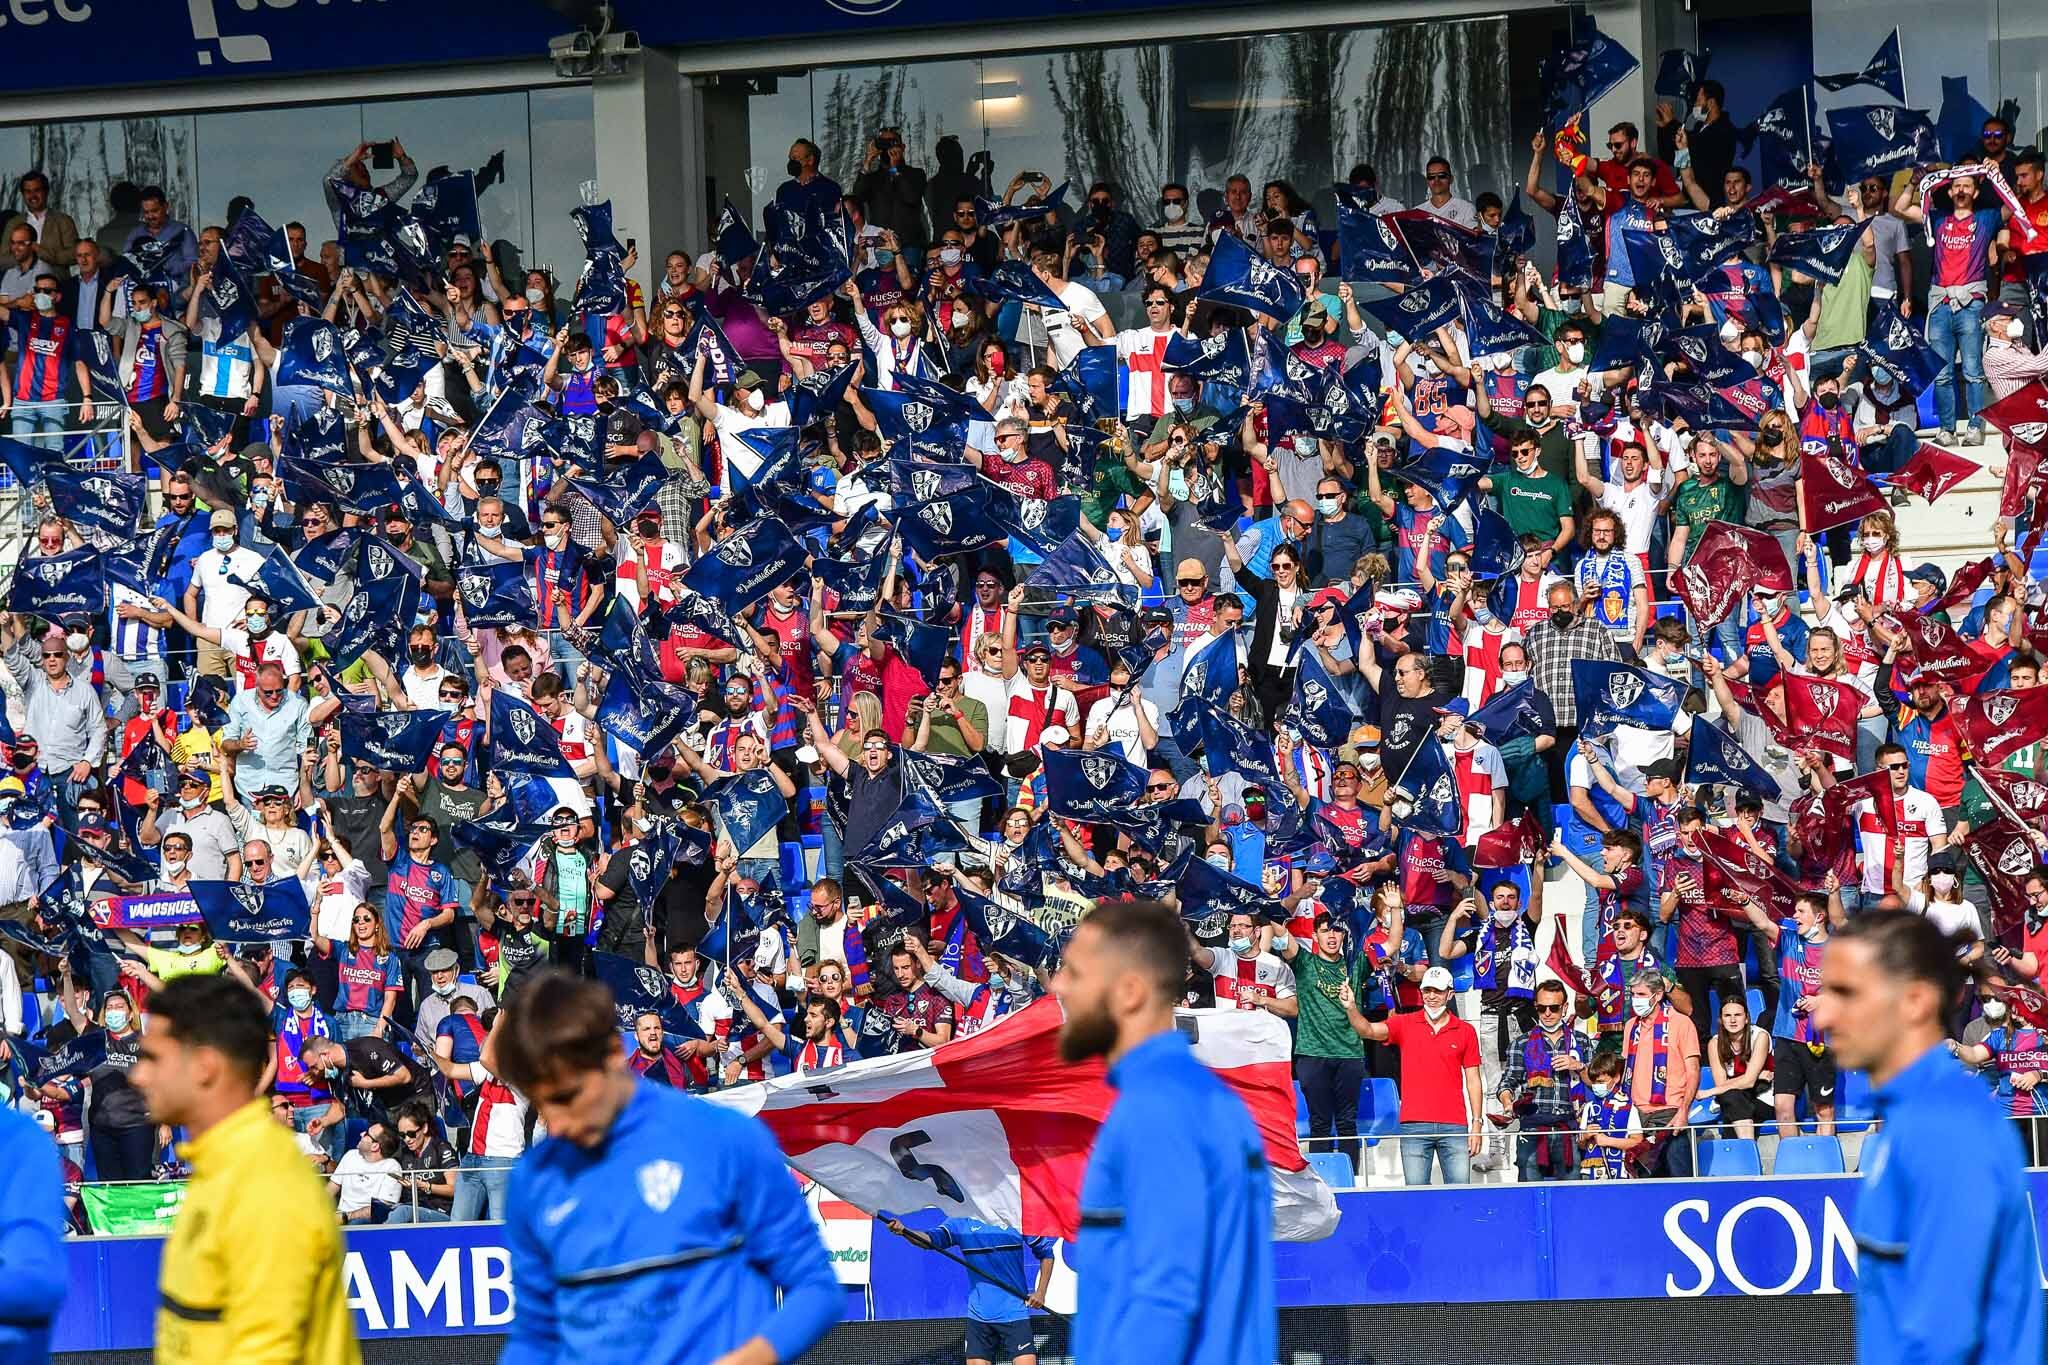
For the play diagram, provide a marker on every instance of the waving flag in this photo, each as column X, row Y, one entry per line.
column 446, row 208
column 515, row 425
column 2004, row 856
column 1586, row 65
column 392, row 741
column 1491, row 330
column 818, row 394
column 917, row 406
column 312, row 354
column 993, row 1126
column 1718, row 757
column 1821, row 712
column 1704, row 242
column 639, row 989
column 1574, row 253
column 748, row 806
column 1446, row 471
column 503, row 839
column 1099, row 786
column 253, row 912
column 1517, row 232
column 1898, row 343
column 1821, row 252
column 923, row 647
column 1724, row 564
column 56, row 586
column 524, row 741
column 990, row 213
column 1228, row 744
column 1224, row 358
column 707, row 339
column 1878, row 139
column 1208, row 893
column 622, row 494
column 1440, row 243
column 227, row 306
column 103, row 499
column 656, row 854
column 28, row 462
column 1932, row 472
column 1885, row 70
column 1678, row 71
column 2022, row 416
column 1016, row 282
column 1510, row 715
column 1833, row 492
column 1611, row 694
column 1417, row 313
column 1323, row 709
column 1496, row 550
column 1077, row 572
column 1705, row 357
column 1370, row 249
column 1998, row 724
column 1244, row 280
column 742, row 568
column 496, row 593
column 1424, row 798
column 948, row 777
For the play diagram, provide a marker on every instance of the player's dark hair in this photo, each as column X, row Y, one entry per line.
column 1150, row 936
column 560, row 1023
column 215, row 1012
column 1909, row 947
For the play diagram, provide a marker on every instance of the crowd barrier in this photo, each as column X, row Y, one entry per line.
column 1475, row 1244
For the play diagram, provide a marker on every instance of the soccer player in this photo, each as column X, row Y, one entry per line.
column 1166, row 1274
column 650, row 1225
column 1947, row 1267
column 34, row 1278
column 225, row 1291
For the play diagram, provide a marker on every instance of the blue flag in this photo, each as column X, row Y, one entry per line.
column 1212, row 672
column 100, row 498
column 56, row 586
column 730, row 238
column 1822, row 252
column 1626, row 342
column 1224, row 358
column 706, row 338
column 1709, row 361
column 502, row 839
column 639, row 989
column 818, row 394
column 515, row 425
column 446, row 208
column 1897, row 343
column 646, row 714
column 594, row 227
column 1076, row 571
column 28, row 462
column 1428, row 790
column 1702, row 243
column 524, row 741
column 1242, row 279
column 999, row 930
column 1614, row 693
column 1783, row 135
column 742, row 568
column 242, row 912
column 1517, row 232
column 1492, row 330
column 1090, row 380
column 1678, row 71
column 1204, row 890
column 1417, row 313
column 1323, row 707
column 1586, row 65
column 1230, row 745
column 392, row 741
column 1718, row 757
column 1041, row 523
column 621, row 495
column 1959, row 123
column 1451, row 247
column 1886, row 70
column 1370, row 249
column 1511, row 714
column 1574, row 253
column 1496, row 549
column 227, row 306
column 1016, row 281
column 1099, row 786
column 496, row 593
column 1451, row 474
column 748, row 806
column 947, row 777
column 656, row 855
column 312, row 353
column 923, row 647
column 1656, row 263
column 1878, row 139
column 78, row 1057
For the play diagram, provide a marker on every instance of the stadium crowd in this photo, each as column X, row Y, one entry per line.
column 1512, row 675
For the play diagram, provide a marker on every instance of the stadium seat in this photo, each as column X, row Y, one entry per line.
column 1730, row 1156
column 1383, row 1118
column 1704, row 1113
column 1755, row 998
column 1300, row 1113
column 1808, row 1156
column 1334, row 1168
column 1854, row 1112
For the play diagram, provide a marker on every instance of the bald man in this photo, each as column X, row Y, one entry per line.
column 1292, row 524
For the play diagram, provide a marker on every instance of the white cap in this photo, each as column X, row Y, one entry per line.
column 1053, row 734
column 1436, row 979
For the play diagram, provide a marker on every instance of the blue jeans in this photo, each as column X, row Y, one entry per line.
column 1589, row 935
column 1957, row 336
column 406, row 1213
column 1446, row 1142
column 480, row 1188
column 1529, row 1146
column 29, row 419
column 1889, row 454
column 349, row 1024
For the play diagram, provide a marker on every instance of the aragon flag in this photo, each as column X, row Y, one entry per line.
column 994, row 1126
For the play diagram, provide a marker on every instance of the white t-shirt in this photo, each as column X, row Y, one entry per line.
column 221, row 601
column 1637, row 508
column 1920, row 819
column 1948, row 916
column 1563, row 388
column 362, row 1182
column 1240, row 981
column 729, row 420
column 1062, row 332
column 1122, row 723
column 1453, row 210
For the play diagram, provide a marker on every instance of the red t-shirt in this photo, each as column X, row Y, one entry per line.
column 1433, row 1062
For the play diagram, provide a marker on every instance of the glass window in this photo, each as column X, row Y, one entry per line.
column 563, row 142
column 86, row 160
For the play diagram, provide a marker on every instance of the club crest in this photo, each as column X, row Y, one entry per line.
column 2029, row 433
column 2017, row 859
column 918, row 416
column 524, row 726
column 1999, row 710
column 342, row 480
column 938, row 516
column 1100, row 770
column 1031, row 511
column 1622, row 690
column 249, row 898
column 476, row 589
column 1315, row 694
column 1884, row 121
column 641, row 863
column 737, row 551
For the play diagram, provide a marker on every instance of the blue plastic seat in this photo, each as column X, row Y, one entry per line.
column 1704, row 1113
column 1334, row 1168
column 1854, row 1110
column 1730, row 1156
column 1300, row 1113
column 1809, row 1155
column 1755, row 998
column 1384, row 1118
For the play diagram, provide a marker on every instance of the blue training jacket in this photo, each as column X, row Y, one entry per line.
column 1946, row 1265
column 666, row 1243
column 996, row 1256
column 1175, row 1256
column 34, row 1276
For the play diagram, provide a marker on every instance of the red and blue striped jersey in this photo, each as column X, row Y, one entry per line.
column 44, row 346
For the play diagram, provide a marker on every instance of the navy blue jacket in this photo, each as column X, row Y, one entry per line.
column 667, row 1242
column 34, row 1276
column 1946, row 1264
column 1175, row 1256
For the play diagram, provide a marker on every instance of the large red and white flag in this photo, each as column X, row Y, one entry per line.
column 995, row 1126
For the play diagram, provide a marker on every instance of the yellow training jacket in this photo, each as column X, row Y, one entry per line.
column 252, row 1270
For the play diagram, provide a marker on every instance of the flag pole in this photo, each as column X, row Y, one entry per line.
column 1899, row 43
column 1806, row 122
column 921, row 1241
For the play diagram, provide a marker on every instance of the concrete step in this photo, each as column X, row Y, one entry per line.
column 1957, row 529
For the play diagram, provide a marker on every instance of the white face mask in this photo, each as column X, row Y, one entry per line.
column 1873, row 545
column 1942, row 882
column 1602, row 1089
column 535, row 296
column 900, row 328
column 1327, row 506
column 1436, row 1012
column 949, row 255
column 1513, row 679
column 76, row 640
column 1175, row 212
column 1994, row 1010
column 173, row 866
column 1641, row 1005
column 116, row 1020
column 1505, row 917
column 45, row 302
column 1575, row 352
column 1241, row 946
column 143, row 311
column 554, row 540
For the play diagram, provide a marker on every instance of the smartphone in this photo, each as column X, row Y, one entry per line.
column 381, row 156
column 632, row 245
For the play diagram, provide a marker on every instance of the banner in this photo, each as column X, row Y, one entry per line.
column 159, row 911
column 251, row 912
column 143, row 1210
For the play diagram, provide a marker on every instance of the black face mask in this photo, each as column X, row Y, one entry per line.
column 796, row 167
column 1562, row 619
column 422, row 656
column 1830, row 401
column 1771, row 440
column 487, row 490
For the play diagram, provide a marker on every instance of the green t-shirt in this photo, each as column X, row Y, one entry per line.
column 1112, row 481
column 1553, row 446
column 1844, row 307
column 1534, row 503
column 1695, row 504
column 1321, row 1028
column 945, row 736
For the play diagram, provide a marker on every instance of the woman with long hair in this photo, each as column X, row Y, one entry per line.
column 1740, row 1057
column 117, row 1125
column 1279, row 617
column 369, row 972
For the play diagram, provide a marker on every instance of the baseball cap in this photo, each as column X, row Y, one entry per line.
column 1436, row 979
column 273, row 794
column 196, row 776
column 2001, row 310
column 1156, row 616
column 147, row 677
column 92, row 819
column 1037, row 648
column 748, row 379
column 12, row 786
column 1053, row 734
column 441, row 960
column 1666, row 768
column 221, row 520
column 1456, row 706
column 1929, row 574
column 1316, row 309
column 1061, row 616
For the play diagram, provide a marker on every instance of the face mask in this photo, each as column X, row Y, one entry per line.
column 192, row 802
column 1183, row 405
column 1435, row 1012
column 1513, row 679
column 1505, row 917
column 1562, row 619
column 1602, row 1089
column 949, row 255
column 1575, row 352
column 1873, row 545
column 1218, row 860
column 173, row 866
column 260, row 499
column 1994, row 1010
column 1013, row 454
column 885, row 258
column 118, row 1019
column 900, row 328
column 1881, row 378
column 1311, row 335
column 143, row 312
column 796, row 167
column 1830, row 401
column 46, row 303
column 421, row 657
column 1115, row 534
column 444, row 991
column 554, row 540
column 75, row 641
column 1942, row 882
column 536, row 296
column 1641, row 1007
column 187, row 949
column 300, row 999
column 258, row 623
column 224, row 541
column 1328, row 506
column 1241, row 946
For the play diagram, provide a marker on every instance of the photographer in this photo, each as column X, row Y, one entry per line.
column 894, row 192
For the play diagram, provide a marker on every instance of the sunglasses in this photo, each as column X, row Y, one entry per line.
column 1192, row 582
column 1438, row 175
column 359, row 919
column 1617, row 146
column 1159, row 787
column 1550, row 1009
column 1898, row 767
